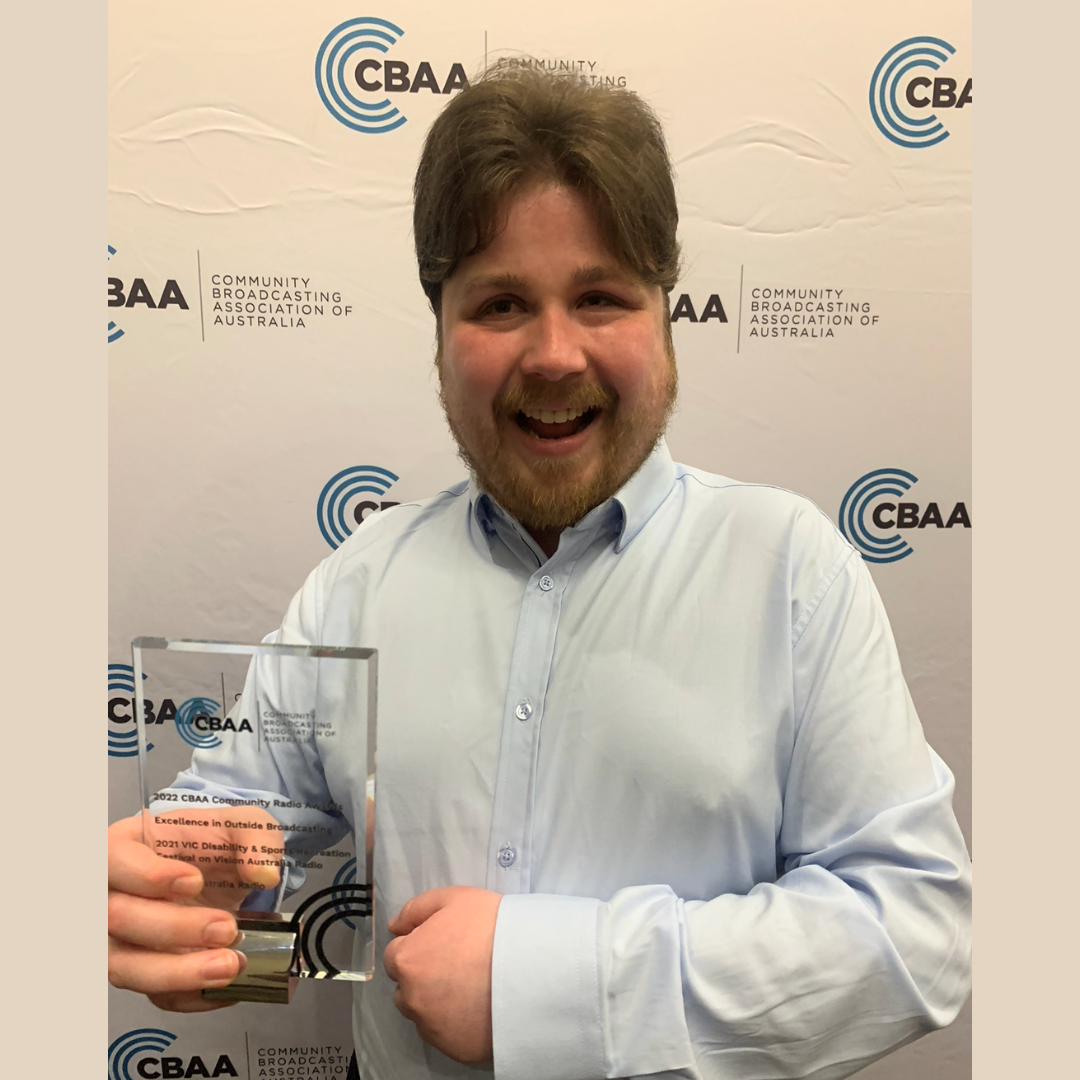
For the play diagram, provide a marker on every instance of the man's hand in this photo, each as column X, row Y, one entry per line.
column 165, row 940
column 441, row 961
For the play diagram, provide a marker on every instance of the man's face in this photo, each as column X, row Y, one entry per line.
column 556, row 378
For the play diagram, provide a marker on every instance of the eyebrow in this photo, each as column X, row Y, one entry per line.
column 589, row 275
column 584, row 275
column 497, row 281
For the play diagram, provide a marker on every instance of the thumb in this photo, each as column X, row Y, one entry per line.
column 419, row 909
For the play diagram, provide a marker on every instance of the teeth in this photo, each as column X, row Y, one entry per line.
column 560, row 416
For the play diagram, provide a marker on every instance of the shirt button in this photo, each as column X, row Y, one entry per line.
column 523, row 710
column 547, row 583
column 507, row 855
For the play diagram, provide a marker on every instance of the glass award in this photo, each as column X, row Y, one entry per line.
column 257, row 767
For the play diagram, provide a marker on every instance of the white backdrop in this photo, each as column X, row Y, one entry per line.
column 226, row 163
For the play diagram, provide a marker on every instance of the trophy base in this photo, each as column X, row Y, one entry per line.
column 269, row 944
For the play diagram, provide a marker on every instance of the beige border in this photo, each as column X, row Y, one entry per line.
column 1025, row 639
column 1025, row 423
column 54, row 460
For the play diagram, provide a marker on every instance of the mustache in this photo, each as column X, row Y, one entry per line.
column 541, row 394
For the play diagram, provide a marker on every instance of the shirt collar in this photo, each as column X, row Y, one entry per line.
column 640, row 497
column 628, row 510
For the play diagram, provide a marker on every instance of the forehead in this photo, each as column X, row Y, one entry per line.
column 544, row 229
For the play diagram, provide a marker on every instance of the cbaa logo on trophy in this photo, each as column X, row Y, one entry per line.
column 343, row 880
column 334, row 499
column 193, row 722
column 894, row 69
column 140, row 1054
column 353, row 84
column 871, row 489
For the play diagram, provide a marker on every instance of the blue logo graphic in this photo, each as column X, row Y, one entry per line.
column 137, row 1041
column 345, row 43
column 185, row 718
column 124, row 743
column 339, row 489
column 853, row 509
column 114, row 331
column 892, row 121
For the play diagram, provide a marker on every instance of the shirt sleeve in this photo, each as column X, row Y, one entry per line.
column 860, row 945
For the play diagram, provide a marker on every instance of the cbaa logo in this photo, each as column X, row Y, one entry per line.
column 138, row 1041
column 353, row 84
column 122, row 743
column 114, row 331
column 897, row 125
column 128, row 296
column 193, row 720
column 345, row 485
column 889, row 515
column 147, row 1044
column 684, row 309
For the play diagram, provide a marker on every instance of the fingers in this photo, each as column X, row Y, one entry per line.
column 403, row 1007
column 187, row 1001
column 158, row 924
column 390, row 960
column 134, row 868
column 267, row 875
column 420, row 908
column 132, row 967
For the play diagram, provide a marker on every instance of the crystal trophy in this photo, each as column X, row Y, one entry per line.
column 257, row 767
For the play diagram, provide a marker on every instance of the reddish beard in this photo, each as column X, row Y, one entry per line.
column 544, row 493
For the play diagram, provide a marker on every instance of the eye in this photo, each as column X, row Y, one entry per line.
column 598, row 300
column 501, row 305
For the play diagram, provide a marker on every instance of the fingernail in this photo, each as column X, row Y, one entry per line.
column 188, row 886
column 224, row 967
column 221, row 932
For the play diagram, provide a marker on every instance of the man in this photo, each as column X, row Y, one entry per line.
column 653, row 797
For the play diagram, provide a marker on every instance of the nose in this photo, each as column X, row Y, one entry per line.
column 556, row 348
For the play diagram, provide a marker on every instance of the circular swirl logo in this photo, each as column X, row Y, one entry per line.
column 346, row 875
column 124, row 743
column 892, row 121
column 137, row 1041
column 193, row 709
column 339, row 88
column 860, row 495
column 339, row 489
column 115, row 333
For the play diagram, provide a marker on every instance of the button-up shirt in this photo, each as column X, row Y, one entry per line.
column 682, row 749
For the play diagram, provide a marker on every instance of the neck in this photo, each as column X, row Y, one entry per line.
column 546, row 539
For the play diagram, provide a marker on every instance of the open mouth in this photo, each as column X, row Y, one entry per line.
column 555, row 424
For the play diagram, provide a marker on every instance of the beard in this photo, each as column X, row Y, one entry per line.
column 548, row 493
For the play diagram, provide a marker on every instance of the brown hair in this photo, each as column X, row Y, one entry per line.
column 519, row 124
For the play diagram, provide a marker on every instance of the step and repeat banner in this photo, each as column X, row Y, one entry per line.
column 271, row 350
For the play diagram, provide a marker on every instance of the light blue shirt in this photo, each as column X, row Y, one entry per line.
column 682, row 749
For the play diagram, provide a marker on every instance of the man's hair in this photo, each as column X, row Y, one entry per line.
column 518, row 125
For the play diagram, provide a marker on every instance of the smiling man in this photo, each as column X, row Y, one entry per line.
column 653, row 795
column 556, row 372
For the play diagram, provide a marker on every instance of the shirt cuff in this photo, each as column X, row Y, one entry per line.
column 546, row 1020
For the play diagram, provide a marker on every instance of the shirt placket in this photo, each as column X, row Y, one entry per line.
column 510, row 855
